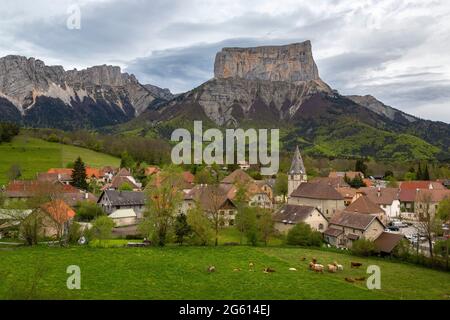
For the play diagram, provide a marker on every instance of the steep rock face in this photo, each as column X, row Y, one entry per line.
column 379, row 107
column 263, row 84
column 100, row 94
column 290, row 63
column 160, row 93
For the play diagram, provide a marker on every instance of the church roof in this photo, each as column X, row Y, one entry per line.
column 297, row 166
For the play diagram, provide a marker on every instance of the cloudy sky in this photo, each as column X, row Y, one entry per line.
column 398, row 51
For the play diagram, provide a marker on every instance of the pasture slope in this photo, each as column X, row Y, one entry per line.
column 36, row 155
column 180, row 273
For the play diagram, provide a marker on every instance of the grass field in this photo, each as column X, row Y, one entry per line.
column 35, row 155
column 180, row 273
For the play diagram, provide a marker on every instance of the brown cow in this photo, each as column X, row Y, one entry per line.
column 355, row 264
column 351, row 280
column 332, row 268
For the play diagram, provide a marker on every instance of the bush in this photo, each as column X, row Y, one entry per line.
column 75, row 233
column 88, row 211
column 302, row 235
column 363, row 247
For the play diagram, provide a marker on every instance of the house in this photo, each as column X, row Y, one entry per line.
column 112, row 200
column 407, row 198
column 289, row 215
column 335, row 182
column 124, row 178
column 387, row 242
column 364, row 205
column 185, row 183
column 20, row 190
column 349, row 174
column 348, row 193
column 297, row 173
column 346, row 227
column 428, row 200
column 259, row 193
column 56, row 218
column 211, row 199
column 10, row 220
column 124, row 217
column 149, row 171
column 387, row 198
column 321, row 196
column 63, row 175
column 414, row 185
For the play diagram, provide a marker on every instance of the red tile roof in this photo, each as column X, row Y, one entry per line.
column 414, row 185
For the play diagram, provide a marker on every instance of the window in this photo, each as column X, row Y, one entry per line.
column 231, row 222
column 320, row 226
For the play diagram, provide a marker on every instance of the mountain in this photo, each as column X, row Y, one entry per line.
column 280, row 86
column 48, row 96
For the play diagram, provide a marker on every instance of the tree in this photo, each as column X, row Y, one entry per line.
column 281, row 185
column 30, row 228
column 14, row 172
column 164, row 200
column 392, row 182
column 126, row 161
column 265, row 225
column 428, row 224
column 426, row 173
column 79, row 175
column 302, row 235
column 357, row 182
column 245, row 221
column 410, row 176
column 419, row 173
column 360, row 166
column 88, row 211
column 363, row 247
column 102, row 228
column 388, row 174
column 441, row 248
column 203, row 176
column 182, row 228
column 200, row 225
column 125, row 187
column 444, row 210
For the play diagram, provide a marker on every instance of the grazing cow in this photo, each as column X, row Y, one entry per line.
column 211, row 269
column 268, row 270
column 332, row 268
column 355, row 264
column 311, row 265
column 340, row 267
column 351, row 280
column 318, row 268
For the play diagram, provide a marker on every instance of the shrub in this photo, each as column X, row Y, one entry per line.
column 302, row 235
column 88, row 211
column 75, row 233
column 363, row 247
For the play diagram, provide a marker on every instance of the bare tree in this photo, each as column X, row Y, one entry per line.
column 164, row 198
column 428, row 224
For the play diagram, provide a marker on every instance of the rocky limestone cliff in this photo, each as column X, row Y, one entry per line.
column 380, row 108
column 26, row 82
column 263, row 84
column 292, row 63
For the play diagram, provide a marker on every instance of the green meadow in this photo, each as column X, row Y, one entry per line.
column 35, row 155
column 180, row 273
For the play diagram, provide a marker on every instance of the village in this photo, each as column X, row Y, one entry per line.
column 385, row 216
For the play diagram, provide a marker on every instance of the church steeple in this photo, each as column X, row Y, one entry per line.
column 297, row 173
column 297, row 166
